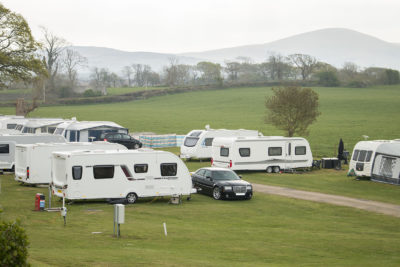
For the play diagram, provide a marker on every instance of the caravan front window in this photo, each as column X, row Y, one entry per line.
column 103, row 171
column 195, row 134
column 191, row 141
column 355, row 154
column 369, row 154
column 4, row 148
column 362, row 156
column 208, row 141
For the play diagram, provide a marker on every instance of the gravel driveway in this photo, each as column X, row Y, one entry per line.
column 369, row 205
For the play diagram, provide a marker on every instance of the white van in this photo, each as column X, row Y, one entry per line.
column 33, row 161
column 270, row 153
column 363, row 156
column 197, row 143
column 9, row 141
column 128, row 174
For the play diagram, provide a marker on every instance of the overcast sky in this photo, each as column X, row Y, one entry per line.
column 175, row 26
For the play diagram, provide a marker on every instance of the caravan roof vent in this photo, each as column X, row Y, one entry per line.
column 207, row 127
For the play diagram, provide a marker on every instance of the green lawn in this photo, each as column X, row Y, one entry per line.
column 347, row 113
column 126, row 90
column 267, row 230
column 15, row 91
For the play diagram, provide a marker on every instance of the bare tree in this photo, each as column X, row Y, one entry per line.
column 127, row 72
column 305, row 63
column 71, row 61
column 171, row 72
column 54, row 47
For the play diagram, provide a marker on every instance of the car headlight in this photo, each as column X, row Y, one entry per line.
column 248, row 187
column 227, row 188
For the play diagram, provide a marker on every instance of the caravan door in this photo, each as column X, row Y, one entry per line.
column 289, row 155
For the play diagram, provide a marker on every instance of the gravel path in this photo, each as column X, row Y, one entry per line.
column 369, row 205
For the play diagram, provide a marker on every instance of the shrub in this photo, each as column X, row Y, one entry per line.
column 13, row 244
column 91, row 93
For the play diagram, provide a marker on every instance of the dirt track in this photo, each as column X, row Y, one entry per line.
column 369, row 205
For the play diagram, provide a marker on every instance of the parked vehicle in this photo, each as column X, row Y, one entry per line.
column 129, row 175
column 123, row 139
column 386, row 164
column 9, row 141
column 363, row 156
column 221, row 183
column 41, row 125
column 197, row 143
column 270, row 153
column 33, row 161
column 88, row 131
column 10, row 122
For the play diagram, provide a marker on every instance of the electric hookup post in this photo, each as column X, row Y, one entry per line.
column 119, row 218
column 64, row 212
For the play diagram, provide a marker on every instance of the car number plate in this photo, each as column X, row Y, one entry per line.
column 240, row 194
column 59, row 191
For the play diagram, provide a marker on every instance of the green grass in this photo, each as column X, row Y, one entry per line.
column 347, row 113
column 267, row 230
column 15, row 91
column 126, row 90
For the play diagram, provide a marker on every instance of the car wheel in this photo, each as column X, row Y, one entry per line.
column 131, row 198
column 269, row 170
column 249, row 196
column 216, row 193
column 136, row 146
column 276, row 169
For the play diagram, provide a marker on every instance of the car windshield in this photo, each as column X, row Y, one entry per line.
column 224, row 175
column 190, row 141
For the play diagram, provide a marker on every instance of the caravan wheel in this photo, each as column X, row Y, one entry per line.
column 276, row 169
column 131, row 198
column 269, row 170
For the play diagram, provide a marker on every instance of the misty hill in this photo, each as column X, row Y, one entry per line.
column 114, row 60
column 334, row 46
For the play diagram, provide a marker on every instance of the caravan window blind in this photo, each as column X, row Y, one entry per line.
column 224, row 152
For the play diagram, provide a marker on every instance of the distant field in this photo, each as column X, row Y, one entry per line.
column 15, row 91
column 267, row 230
column 347, row 113
column 126, row 90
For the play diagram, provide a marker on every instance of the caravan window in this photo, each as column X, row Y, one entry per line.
column 11, row 126
column 355, row 154
column 196, row 134
column 300, row 150
column 275, row 151
column 59, row 131
column 190, row 141
column 369, row 154
column 141, row 168
column 168, row 169
column 76, row 172
column 224, row 152
column 244, row 152
column 51, row 129
column 208, row 141
column 103, row 171
column 362, row 155
column 4, row 148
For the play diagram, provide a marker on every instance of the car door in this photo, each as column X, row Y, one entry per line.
column 127, row 141
column 196, row 178
column 207, row 182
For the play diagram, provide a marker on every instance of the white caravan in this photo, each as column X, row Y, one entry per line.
column 33, row 161
column 9, row 141
column 128, row 174
column 88, row 131
column 197, row 143
column 11, row 122
column 363, row 156
column 386, row 165
column 41, row 125
column 270, row 153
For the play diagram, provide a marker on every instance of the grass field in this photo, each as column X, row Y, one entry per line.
column 126, row 90
column 347, row 113
column 267, row 230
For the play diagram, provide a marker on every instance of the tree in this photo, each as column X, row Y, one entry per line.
column 18, row 58
column 54, row 47
column 13, row 244
column 71, row 61
column 210, row 72
column 391, row 77
column 305, row 63
column 127, row 72
column 328, row 78
column 292, row 109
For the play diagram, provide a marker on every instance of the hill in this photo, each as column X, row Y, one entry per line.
column 334, row 46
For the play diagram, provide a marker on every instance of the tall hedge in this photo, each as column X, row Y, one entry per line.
column 13, row 244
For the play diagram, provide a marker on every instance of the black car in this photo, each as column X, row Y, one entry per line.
column 123, row 139
column 221, row 183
